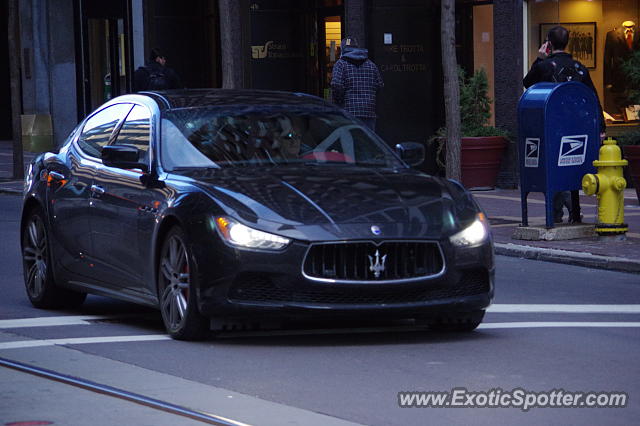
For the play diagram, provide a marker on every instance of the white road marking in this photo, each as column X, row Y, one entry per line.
column 496, row 308
column 82, row 340
column 550, row 324
column 56, row 321
column 158, row 337
column 558, row 308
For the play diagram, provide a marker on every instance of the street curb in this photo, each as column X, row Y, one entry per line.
column 568, row 257
column 8, row 186
column 10, row 191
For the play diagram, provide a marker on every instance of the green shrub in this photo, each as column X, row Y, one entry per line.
column 629, row 138
column 631, row 68
column 475, row 107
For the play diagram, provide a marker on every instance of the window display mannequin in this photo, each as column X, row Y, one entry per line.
column 619, row 45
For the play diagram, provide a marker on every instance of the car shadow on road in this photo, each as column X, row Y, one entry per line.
column 290, row 333
column 345, row 335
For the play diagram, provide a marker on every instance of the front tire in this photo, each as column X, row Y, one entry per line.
column 37, row 267
column 177, row 289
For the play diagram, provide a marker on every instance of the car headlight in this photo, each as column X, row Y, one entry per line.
column 474, row 234
column 240, row 235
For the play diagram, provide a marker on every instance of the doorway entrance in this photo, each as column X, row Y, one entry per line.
column 330, row 25
column 104, row 62
column 294, row 44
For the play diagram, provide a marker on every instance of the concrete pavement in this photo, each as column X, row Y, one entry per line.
column 504, row 212
column 7, row 183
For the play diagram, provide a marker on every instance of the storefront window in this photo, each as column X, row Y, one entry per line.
column 603, row 35
column 483, row 45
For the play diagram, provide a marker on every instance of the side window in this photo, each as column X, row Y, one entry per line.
column 135, row 130
column 98, row 129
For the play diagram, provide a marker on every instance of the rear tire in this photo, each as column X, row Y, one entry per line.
column 37, row 267
column 177, row 289
column 457, row 323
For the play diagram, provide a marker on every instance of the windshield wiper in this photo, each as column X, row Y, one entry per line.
column 186, row 168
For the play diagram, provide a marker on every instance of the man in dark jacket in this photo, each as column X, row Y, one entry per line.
column 356, row 81
column 555, row 65
column 155, row 75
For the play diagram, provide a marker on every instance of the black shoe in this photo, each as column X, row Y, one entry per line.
column 578, row 220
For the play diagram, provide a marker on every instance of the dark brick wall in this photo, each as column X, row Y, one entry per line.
column 508, row 53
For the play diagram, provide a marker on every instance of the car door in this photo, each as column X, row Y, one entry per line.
column 70, row 192
column 124, row 208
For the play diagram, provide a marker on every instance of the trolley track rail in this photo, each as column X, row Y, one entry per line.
column 114, row 392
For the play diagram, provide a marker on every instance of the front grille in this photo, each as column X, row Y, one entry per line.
column 256, row 288
column 395, row 260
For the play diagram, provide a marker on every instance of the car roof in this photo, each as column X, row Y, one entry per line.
column 194, row 98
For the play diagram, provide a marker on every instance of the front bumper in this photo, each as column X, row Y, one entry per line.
column 242, row 284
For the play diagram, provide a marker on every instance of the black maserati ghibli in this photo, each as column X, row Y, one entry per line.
column 221, row 206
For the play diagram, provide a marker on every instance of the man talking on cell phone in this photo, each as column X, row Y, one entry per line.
column 557, row 66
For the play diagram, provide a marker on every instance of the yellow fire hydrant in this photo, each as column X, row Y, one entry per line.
column 609, row 186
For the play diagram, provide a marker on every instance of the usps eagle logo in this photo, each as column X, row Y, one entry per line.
column 573, row 150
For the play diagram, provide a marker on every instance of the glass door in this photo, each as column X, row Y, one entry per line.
column 106, row 60
column 329, row 52
column 104, row 52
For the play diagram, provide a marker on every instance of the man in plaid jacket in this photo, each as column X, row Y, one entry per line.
column 356, row 81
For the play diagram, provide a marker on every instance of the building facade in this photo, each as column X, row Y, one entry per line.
column 75, row 54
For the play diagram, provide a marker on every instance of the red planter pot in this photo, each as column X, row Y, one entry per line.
column 480, row 159
column 632, row 154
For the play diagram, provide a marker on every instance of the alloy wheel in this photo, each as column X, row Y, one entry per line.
column 35, row 257
column 175, row 280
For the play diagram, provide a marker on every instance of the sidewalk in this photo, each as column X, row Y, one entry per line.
column 503, row 208
column 504, row 211
column 7, row 184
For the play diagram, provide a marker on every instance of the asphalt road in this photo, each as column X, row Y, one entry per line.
column 320, row 376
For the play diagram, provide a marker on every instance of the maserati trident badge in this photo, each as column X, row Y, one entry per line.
column 376, row 230
column 377, row 266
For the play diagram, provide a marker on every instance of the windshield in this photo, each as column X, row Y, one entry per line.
column 203, row 137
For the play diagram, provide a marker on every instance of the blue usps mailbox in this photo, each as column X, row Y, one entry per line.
column 559, row 137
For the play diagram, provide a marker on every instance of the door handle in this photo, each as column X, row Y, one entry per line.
column 97, row 189
column 56, row 175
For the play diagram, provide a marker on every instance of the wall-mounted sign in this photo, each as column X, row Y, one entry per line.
column 260, row 52
column 273, row 50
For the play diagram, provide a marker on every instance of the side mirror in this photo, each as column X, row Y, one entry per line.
column 123, row 157
column 411, row 152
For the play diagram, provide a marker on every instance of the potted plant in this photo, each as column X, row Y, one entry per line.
column 482, row 145
column 630, row 141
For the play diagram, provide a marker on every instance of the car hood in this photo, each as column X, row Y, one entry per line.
column 343, row 199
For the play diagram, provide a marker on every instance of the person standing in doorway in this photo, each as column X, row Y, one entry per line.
column 556, row 66
column 156, row 75
column 356, row 81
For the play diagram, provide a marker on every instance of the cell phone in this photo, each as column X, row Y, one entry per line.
column 547, row 47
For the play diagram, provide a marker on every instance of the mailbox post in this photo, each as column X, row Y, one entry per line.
column 558, row 139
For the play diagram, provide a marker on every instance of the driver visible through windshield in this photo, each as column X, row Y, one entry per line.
column 203, row 137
